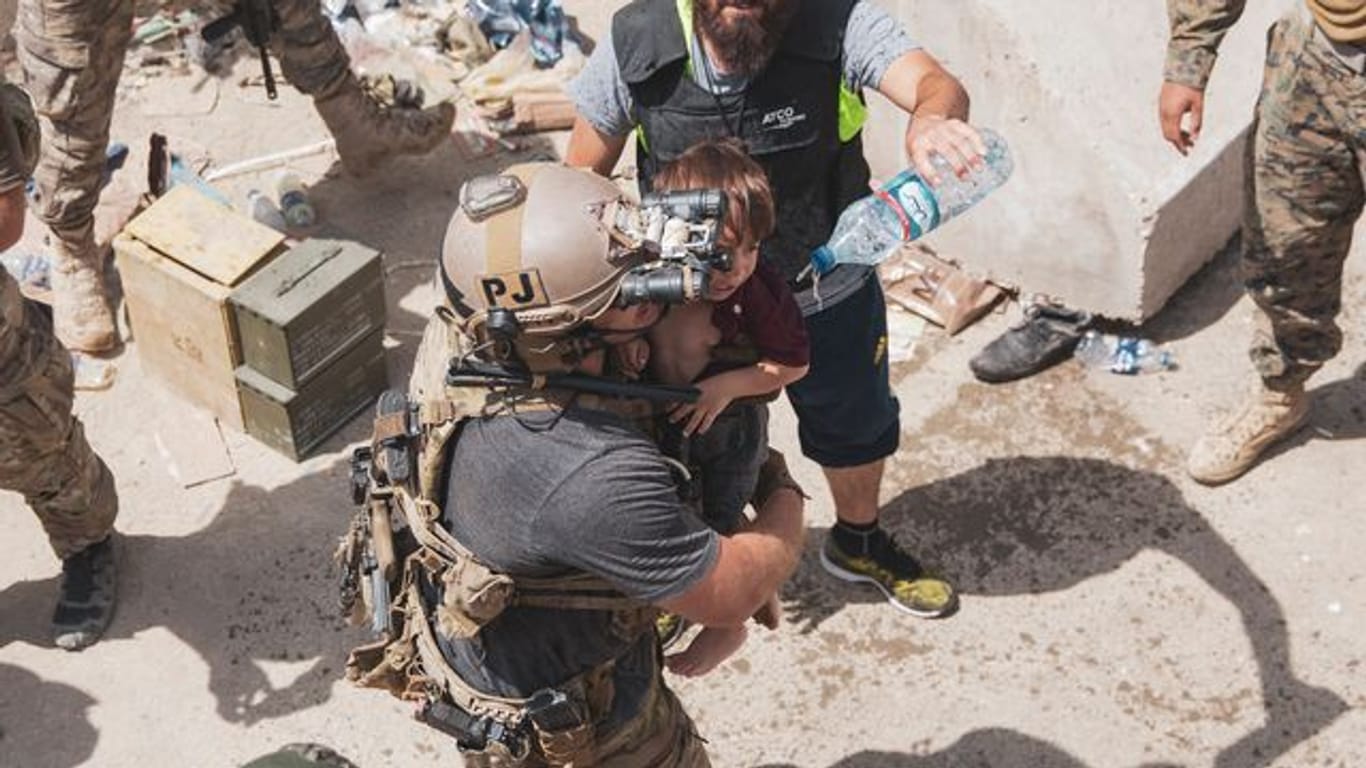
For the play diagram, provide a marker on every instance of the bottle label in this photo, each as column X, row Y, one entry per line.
column 917, row 202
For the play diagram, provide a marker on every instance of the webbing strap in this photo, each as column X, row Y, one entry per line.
column 503, row 246
column 507, row 710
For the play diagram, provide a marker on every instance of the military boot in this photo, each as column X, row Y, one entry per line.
column 1233, row 445
column 82, row 316
column 85, row 604
column 368, row 131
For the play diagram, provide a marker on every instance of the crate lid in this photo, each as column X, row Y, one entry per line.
column 203, row 235
column 294, row 281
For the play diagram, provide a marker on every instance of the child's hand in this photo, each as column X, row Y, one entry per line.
column 632, row 356
column 698, row 417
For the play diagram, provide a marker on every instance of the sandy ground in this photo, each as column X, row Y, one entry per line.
column 1114, row 612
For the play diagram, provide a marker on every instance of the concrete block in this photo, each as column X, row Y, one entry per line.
column 1100, row 212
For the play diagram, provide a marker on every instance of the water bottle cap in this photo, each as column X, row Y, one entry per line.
column 822, row 260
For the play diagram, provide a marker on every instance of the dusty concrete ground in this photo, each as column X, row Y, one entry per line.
column 1114, row 612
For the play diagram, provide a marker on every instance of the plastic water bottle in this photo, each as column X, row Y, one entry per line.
column 294, row 201
column 1123, row 354
column 263, row 209
column 907, row 207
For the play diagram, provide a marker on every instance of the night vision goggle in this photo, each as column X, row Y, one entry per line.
column 679, row 231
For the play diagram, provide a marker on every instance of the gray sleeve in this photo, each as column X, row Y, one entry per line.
column 872, row 41
column 599, row 92
column 627, row 525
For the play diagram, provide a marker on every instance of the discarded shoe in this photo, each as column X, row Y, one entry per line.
column 1045, row 337
column 885, row 565
column 1233, row 445
column 85, row 603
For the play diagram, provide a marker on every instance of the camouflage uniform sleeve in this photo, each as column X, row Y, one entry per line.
column 18, row 137
column 1197, row 28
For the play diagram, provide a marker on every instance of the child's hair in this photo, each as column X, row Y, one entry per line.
column 723, row 164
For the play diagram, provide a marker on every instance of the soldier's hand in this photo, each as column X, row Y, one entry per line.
column 1181, row 110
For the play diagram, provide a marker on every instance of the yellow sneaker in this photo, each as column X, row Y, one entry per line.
column 885, row 565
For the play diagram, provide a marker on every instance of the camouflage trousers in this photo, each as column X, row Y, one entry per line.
column 662, row 736
column 72, row 55
column 43, row 451
column 1307, row 160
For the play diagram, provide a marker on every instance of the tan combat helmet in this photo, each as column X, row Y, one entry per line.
column 529, row 259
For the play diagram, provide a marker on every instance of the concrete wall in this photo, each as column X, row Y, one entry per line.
column 1100, row 212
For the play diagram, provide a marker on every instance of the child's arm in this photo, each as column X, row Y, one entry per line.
column 720, row 390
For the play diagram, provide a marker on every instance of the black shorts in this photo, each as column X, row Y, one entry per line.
column 846, row 413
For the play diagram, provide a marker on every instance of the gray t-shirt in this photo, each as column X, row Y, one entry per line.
column 540, row 495
column 872, row 41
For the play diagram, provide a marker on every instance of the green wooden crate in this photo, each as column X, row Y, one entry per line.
column 297, row 422
column 306, row 309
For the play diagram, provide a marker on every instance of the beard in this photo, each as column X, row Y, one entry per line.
column 743, row 43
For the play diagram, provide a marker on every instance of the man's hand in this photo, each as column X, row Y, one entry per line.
column 954, row 140
column 698, row 417
column 1174, row 104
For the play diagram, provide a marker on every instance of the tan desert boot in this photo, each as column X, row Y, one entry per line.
column 82, row 317
column 368, row 132
column 1233, row 445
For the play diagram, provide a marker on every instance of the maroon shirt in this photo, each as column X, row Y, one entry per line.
column 764, row 313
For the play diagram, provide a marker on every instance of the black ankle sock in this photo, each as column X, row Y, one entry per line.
column 853, row 538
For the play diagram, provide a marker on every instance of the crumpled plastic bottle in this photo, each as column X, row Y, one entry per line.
column 1123, row 354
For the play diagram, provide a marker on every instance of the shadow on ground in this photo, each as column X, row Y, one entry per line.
column 1030, row 525
column 253, row 588
column 39, row 717
column 987, row 748
column 1202, row 301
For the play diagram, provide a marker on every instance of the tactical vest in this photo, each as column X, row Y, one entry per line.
column 796, row 117
column 400, row 477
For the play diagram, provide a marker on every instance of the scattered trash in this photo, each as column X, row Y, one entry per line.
column 904, row 330
column 269, row 161
column 91, row 373
column 263, row 210
column 535, row 112
column 464, row 43
column 512, row 71
column 543, row 20
column 159, row 27
column 115, row 155
column 1335, row 607
column 182, row 175
column 32, row 271
column 294, row 202
column 1123, row 354
column 936, row 289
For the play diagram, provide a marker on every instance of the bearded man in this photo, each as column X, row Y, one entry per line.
column 786, row 77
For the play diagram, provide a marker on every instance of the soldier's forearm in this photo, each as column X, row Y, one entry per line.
column 1197, row 29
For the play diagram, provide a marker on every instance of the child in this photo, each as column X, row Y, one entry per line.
column 750, row 306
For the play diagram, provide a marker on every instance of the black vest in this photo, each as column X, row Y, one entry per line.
column 788, row 117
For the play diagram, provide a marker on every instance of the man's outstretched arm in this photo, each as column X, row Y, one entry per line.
column 1197, row 29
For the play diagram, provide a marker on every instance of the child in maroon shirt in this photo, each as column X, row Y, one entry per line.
column 748, row 307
